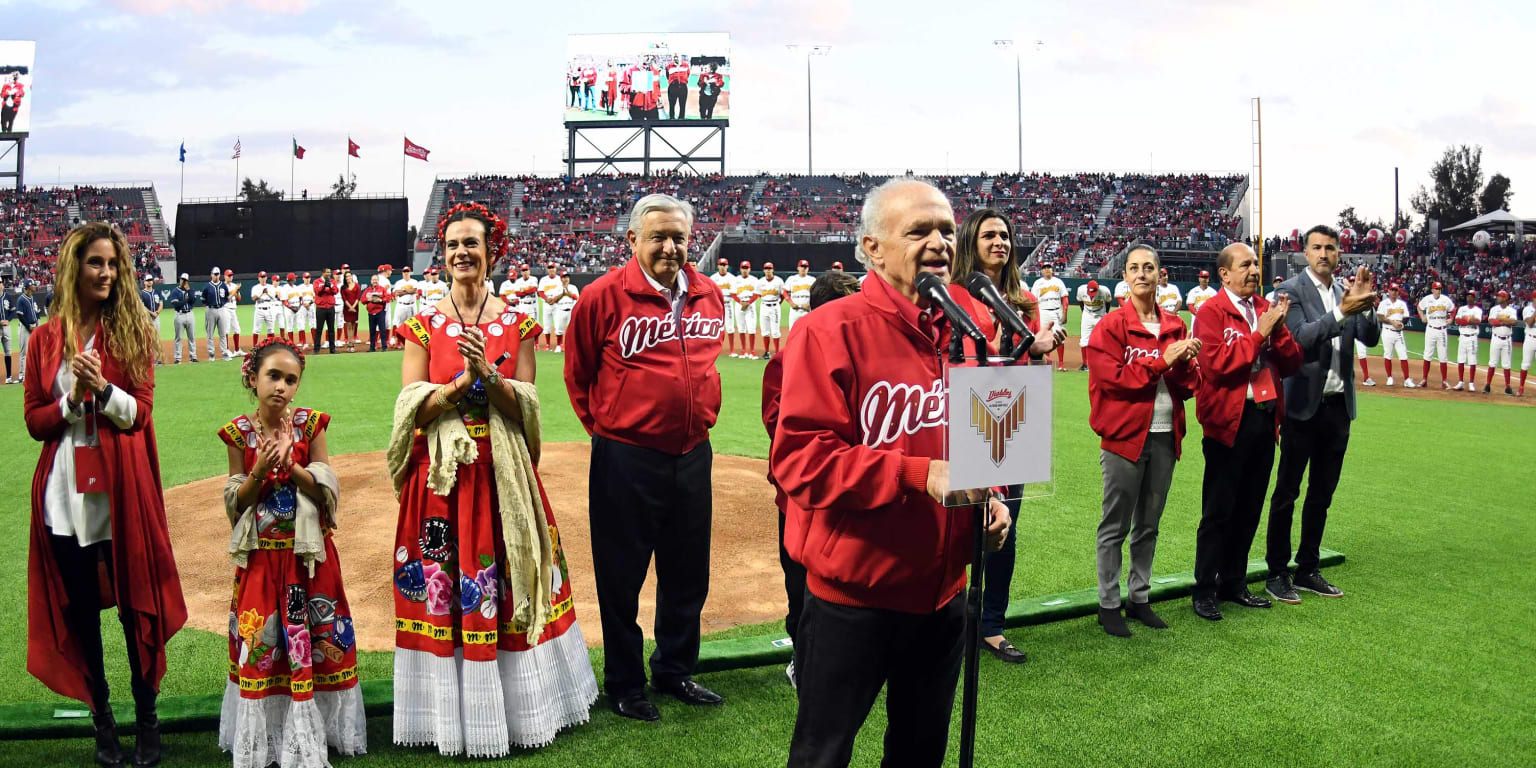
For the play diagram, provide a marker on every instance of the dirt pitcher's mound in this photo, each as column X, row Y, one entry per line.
column 746, row 585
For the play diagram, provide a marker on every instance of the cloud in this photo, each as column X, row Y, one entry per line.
column 200, row 7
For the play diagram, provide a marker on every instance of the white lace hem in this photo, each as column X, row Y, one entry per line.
column 484, row 709
column 293, row 734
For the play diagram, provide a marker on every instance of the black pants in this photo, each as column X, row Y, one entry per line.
column 642, row 502
column 846, row 654
column 677, row 100
column 327, row 322
column 575, row 100
column 83, row 569
column 7, row 118
column 998, row 575
column 1232, row 501
column 794, row 585
column 377, row 333
column 707, row 105
column 1319, row 441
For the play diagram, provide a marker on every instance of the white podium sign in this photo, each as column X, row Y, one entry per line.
column 999, row 425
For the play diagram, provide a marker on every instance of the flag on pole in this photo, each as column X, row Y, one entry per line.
column 416, row 150
column 298, row 151
column 183, row 153
column 236, row 156
column 352, row 147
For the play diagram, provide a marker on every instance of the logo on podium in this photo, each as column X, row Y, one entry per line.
column 997, row 418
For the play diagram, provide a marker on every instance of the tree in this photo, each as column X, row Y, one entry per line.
column 258, row 190
column 1496, row 195
column 1349, row 219
column 343, row 188
column 1457, row 177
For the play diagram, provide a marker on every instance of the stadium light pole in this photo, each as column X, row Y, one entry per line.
column 1018, row 71
column 810, row 50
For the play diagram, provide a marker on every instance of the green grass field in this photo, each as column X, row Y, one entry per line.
column 1425, row 662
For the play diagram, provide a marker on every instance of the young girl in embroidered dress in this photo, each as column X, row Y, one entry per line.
column 292, row 649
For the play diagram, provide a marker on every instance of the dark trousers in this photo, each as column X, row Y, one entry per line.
column 846, row 654
column 1319, row 442
column 707, row 106
column 377, row 335
column 83, row 570
column 7, row 118
column 794, row 585
column 997, row 575
column 327, row 326
column 642, row 502
column 677, row 100
column 1232, row 501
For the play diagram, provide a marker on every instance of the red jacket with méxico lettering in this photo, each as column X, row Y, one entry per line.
column 325, row 293
column 629, row 376
column 1227, row 352
column 1125, row 362
column 855, row 436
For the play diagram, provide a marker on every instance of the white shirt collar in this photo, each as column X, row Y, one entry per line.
column 1237, row 301
column 1318, row 282
column 682, row 282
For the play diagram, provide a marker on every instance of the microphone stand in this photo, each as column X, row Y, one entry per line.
column 972, row 637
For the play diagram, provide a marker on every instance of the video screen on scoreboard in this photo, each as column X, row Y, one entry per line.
column 675, row 77
column 16, row 85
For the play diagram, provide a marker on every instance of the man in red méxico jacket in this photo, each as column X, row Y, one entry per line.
column 326, row 289
column 640, row 370
column 1245, row 350
column 857, row 450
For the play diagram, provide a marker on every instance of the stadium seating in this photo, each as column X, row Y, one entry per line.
column 33, row 221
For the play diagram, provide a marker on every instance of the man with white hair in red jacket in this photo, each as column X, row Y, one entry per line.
column 858, row 451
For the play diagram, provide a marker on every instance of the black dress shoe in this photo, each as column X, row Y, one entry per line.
column 109, row 753
column 1207, row 608
column 1113, row 623
column 1247, row 599
column 146, row 748
column 1314, row 582
column 1005, row 651
column 1142, row 612
column 636, row 706
column 1279, row 587
column 688, row 691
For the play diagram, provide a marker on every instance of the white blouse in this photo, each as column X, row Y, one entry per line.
column 67, row 511
column 1162, row 406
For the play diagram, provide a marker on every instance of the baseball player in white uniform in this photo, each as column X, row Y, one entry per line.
column 1274, row 286
column 288, row 308
column 264, row 299
column 1051, row 292
column 406, row 295
column 432, row 290
column 550, row 291
column 1197, row 297
column 563, row 306
column 1469, row 322
column 798, row 286
column 508, row 289
column 1122, row 291
column 1437, row 310
column 1394, row 314
column 1528, row 347
column 1503, row 317
column 306, row 289
column 1167, row 295
column 1094, row 301
column 770, row 291
column 527, row 291
column 726, row 282
column 231, row 315
column 744, row 291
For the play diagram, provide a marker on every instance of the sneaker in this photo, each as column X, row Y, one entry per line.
column 1444, row 385
column 1082, row 368
column 1486, row 388
column 559, row 350
column 1389, row 381
column 9, row 380
column 1408, row 384
column 1315, row 583
column 1457, row 387
column 1370, row 382
column 1509, row 391
column 1279, row 587
column 789, row 672
column 1061, row 368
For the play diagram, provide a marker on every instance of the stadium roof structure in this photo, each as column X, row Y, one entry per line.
column 1499, row 220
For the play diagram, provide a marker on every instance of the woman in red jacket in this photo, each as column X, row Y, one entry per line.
column 1141, row 369
column 98, row 518
column 985, row 244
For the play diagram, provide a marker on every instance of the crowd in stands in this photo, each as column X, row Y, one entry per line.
column 1506, row 265
column 1174, row 209
column 34, row 220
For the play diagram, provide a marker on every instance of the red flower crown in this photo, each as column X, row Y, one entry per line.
column 495, row 240
column 248, row 367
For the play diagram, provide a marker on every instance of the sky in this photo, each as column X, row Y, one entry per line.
column 1350, row 90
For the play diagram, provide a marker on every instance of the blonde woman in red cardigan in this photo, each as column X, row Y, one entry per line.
column 98, row 532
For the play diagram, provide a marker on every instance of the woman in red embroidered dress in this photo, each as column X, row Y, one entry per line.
column 292, row 648
column 467, row 678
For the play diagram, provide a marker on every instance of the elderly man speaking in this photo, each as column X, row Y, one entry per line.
column 858, row 452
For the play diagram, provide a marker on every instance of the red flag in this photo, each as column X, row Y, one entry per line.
column 415, row 150
column 352, row 147
column 298, row 151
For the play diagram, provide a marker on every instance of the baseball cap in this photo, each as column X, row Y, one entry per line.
column 291, row 275
column 346, row 266
column 724, row 261
column 1436, row 285
column 306, row 275
column 767, row 265
column 1503, row 294
column 803, row 263
column 1093, row 286
column 185, row 276
column 1205, row 273
column 262, row 273
column 1162, row 271
column 1471, row 291
column 1395, row 287
column 383, row 268
column 229, row 271
column 1278, row 279
column 213, row 271
column 405, row 268
column 837, row 265
column 745, row 263
column 564, row 273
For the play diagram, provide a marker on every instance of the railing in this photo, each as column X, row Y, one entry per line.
column 367, row 196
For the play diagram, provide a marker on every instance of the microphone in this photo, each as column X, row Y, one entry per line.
column 933, row 287
column 981, row 289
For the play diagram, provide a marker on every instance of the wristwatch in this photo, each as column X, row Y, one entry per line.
column 105, row 394
column 494, row 378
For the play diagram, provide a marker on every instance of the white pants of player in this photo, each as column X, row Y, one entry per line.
column 746, row 318
column 307, row 318
column 547, row 317
column 290, row 319
column 730, row 316
column 529, row 308
column 562, row 320
column 265, row 321
column 1527, row 349
column 22, row 335
column 1053, row 315
column 181, row 325
column 795, row 314
column 1392, row 345
column 770, row 321
column 1436, row 341
column 1085, row 329
column 403, row 312
column 1500, row 352
column 1360, row 350
column 1466, row 349
column 232, row 321
column 213, row 331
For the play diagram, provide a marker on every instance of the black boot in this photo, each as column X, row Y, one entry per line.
column 146, row 750
column 109, row 753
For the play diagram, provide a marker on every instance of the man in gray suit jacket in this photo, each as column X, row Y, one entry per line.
column 1325, row 319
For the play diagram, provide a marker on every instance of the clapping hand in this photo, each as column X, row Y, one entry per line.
column 1361, row 294
column 86, row 368
column 1275, row 314
column 1181, row 351
column 472, row 349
